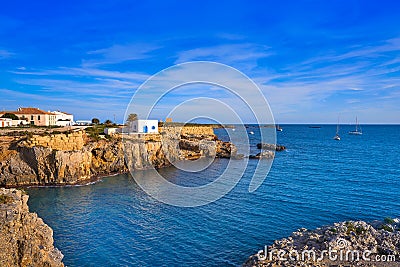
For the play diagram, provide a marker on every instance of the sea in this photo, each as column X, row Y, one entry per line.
column 317, row 181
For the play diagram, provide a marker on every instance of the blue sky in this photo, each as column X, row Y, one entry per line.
column 313, row 60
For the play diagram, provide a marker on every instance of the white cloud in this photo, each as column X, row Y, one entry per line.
column 360, row 75
column 228, row 54
column 85, row 72
column 118, row 54
column 5, row 53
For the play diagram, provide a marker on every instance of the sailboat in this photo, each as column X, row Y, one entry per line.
column 337, row 136
column 356, row 132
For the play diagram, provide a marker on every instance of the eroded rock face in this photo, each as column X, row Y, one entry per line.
column 352, row 238
column 45, row 166
column 40, row 165
column 25, row 240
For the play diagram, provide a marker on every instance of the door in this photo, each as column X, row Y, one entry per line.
column 145, row 129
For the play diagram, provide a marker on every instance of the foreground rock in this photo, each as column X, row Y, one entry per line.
column 359, row 243
column 74, row 158
column 25, row 240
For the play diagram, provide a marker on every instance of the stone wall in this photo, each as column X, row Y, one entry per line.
column 197, row 130
column 63, row 142
column 189, row 130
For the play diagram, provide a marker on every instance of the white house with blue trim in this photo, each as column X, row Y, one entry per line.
column 144, row 126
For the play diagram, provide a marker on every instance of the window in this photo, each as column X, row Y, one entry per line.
column 31, row 117
column 38, row 117
column 153, row 127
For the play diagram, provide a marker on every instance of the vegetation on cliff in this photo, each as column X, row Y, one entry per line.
column 76, row 157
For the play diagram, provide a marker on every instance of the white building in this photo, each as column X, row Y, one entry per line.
column 63, row 118
column 109, row 131
column 19, row 122
column 144, row 126
column 83, row 123
column 5, row 122
column 34, row 116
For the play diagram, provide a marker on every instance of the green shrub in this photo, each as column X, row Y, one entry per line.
column 360, row 230
column 386, row 228
column 388, row 220
column 95, row 131
column 350, row 227
column 10, row 116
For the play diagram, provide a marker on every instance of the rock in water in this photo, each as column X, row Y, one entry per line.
column 25, row 240
column 270, row 147
column 263, row 155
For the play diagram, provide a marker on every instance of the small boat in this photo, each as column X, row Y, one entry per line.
column 337, row 136
column 357, row 131
column 233, row 129
column 251, row 132
column 278, row 129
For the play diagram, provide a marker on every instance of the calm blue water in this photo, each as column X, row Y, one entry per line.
column 317, row 181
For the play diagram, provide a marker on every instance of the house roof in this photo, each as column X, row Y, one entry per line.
column 23, row 111
column 32, row 111
column 57, row 111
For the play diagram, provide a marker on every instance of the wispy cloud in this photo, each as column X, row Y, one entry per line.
column 84, row 91
column 118, row 54
column 84, row 72
column 361, row 51
column 347, row 81
column 5, row 53
column 227, row 54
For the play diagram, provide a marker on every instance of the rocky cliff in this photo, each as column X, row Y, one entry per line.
column 350, row 243
column 73, row 158
column 25, row 240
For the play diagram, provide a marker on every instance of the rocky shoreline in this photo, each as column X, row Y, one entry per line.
column 59, row 160
column 74, row 158
column 68, row 159
column 350, row 243
column 25, row 240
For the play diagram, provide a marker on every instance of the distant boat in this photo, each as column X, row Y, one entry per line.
column 278, row 129
column 337, row 136
column 251, row 132
column 356, row 132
